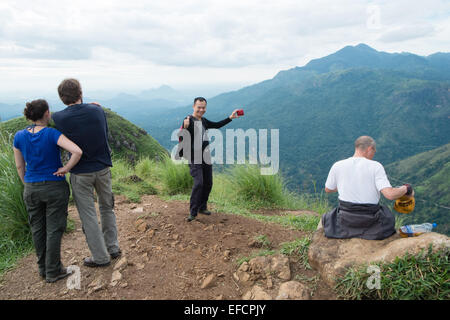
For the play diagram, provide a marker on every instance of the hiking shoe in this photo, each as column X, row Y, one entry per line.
column 190, row 218
column 62, row 274
column 89, row 262
column 205, row 212
column 115, row 255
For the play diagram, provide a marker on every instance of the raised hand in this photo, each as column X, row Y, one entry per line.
column 234, row 114
column 186, row 122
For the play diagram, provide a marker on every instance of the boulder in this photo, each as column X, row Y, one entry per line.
column 280, row 266
column 293, row 290
column 256, row 293
column 332, row 257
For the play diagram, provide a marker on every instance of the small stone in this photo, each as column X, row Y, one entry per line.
column 145, row 257
column 121, row 264
column 209, row 281
column 124, row 285
column 219, row 297
column 116, row 277
column 269, row 283
column 150, row 233
column 227, row 253
column 142, row 227
column 140, row 266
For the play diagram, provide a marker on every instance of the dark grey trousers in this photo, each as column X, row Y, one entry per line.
column 46, row 203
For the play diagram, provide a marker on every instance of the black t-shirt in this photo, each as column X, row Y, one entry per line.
column 86, row 126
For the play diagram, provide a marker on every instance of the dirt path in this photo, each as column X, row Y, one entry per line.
column 168, row 258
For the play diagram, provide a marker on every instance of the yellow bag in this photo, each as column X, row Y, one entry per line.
column 405, row 204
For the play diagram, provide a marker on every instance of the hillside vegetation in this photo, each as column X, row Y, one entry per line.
column 402, row 100
column 429, row 173
column 126, row 140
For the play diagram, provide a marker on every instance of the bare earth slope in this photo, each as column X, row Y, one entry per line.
column 167, row 258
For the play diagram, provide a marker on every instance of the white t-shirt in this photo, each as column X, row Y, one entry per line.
column 358, row 180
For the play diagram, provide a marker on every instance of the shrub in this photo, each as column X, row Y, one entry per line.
column 176, row 178
column 254, row 188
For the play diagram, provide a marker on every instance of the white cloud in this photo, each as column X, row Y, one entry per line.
column 142, row 43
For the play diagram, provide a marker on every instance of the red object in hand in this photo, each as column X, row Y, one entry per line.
column 240, row 112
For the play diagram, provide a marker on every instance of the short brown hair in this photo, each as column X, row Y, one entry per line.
column 69, row 91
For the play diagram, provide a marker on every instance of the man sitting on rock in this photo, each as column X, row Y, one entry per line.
column 359, row 181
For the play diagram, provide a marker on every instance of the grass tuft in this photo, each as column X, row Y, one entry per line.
column 413, row 277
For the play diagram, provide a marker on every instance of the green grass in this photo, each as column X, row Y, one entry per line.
column 13, row 214
column 298, row 248
column 11, row 251
column 126, row 182
column 425, row 276
column 234, row 192
column 15, row 232
column 260, row 253
column 263, row 241
column 176, row 178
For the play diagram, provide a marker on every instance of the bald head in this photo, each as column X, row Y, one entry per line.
column 364, row 142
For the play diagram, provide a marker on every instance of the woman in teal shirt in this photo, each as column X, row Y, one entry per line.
column 46, row 193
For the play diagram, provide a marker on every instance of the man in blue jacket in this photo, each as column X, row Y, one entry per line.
column 86, row 125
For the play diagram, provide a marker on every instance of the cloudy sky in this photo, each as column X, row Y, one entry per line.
column 134, row 45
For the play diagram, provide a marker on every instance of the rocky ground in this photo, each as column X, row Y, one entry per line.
column 164, row 257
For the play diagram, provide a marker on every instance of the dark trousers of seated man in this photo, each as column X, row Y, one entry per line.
column 203, row 181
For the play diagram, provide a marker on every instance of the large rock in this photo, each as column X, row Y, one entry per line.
column 332, row 257
column 293, row 290
column 256, row 293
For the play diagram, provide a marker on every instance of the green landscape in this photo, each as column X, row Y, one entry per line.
column 402, row 100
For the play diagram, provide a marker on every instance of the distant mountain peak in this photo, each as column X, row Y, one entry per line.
column 365, row 47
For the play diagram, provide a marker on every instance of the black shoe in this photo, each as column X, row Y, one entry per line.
column 115, row 255
column 89, row 262
column 205, row 212
column 63, row 274
column 190, row 218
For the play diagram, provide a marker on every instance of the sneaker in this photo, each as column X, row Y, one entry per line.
column 63, row 274
column 205, row 212
column 116, row 255
column 190, row 218
column 89, row 262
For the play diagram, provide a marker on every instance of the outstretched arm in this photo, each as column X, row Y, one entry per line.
column 395, row 193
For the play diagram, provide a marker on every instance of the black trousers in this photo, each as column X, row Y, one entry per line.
column 203, row 181
column 46, row 203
